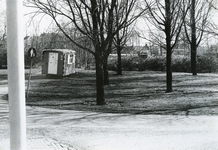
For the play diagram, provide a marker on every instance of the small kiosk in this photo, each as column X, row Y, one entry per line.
column 60, row 62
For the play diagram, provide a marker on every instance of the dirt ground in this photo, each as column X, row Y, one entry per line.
column 133, row 92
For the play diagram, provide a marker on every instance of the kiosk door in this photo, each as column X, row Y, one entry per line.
column 52, row 63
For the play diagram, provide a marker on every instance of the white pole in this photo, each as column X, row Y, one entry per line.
column 16, row 75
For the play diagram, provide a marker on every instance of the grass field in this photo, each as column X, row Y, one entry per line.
column 133, row 92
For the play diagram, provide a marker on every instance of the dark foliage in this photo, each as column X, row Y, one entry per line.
column 206, row 63
column 3, row 59
column 27, row 60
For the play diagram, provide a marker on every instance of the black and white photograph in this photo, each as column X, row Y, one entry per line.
column 108, row 75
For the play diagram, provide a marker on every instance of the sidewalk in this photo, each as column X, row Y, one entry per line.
column 37, row 142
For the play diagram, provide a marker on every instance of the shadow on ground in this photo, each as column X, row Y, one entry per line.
column 133, row 92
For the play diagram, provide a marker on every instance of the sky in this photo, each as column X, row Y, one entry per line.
column 43, row 24
column 2, row 16
column 38, row 26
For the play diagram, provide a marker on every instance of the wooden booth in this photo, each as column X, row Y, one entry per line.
column 60, row 62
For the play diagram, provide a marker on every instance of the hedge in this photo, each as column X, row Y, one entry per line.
column 3, row 60
column 206, row 63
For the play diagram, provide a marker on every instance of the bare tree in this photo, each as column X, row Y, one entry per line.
column 120, row 41
column 168, row 17
column 196, row 22
column 120, row 17
column 94, row 19
column 122, row 35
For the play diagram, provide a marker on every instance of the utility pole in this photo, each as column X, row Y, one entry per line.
column 16, row 75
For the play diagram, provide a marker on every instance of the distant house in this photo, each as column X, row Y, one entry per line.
column 132, row 51
column 214, row 50
column 181, row 52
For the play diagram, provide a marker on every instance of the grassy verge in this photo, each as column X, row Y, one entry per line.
column 134, row 92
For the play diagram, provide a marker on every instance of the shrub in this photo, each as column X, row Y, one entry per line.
column 133, row 63
column 205, row 63
column 181, row 64
column 154, row 64
column 130, row 63
column 3, row 59
column 112, row 64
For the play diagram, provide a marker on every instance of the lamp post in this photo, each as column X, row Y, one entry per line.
column 16, row 78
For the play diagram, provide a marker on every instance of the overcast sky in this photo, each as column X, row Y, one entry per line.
column 44, row 24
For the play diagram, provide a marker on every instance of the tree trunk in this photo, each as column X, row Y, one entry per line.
column 161, row 51
column 119, row 61
column 168, row 47
column 193, row 40
column 193, row 59
column 169, row 71
column 106, row 76
column 99, row 81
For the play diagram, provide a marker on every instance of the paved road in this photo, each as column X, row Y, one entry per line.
column 64, row 129
column 97, row 131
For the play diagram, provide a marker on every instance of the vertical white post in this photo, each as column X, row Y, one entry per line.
column 16, row 75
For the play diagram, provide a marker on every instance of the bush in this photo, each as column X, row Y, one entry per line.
column 112, row 64
column 205, row 63
column 153, row 64
column 130, row 63
column 181, row 64
column 3, row 58
column 133, row 63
